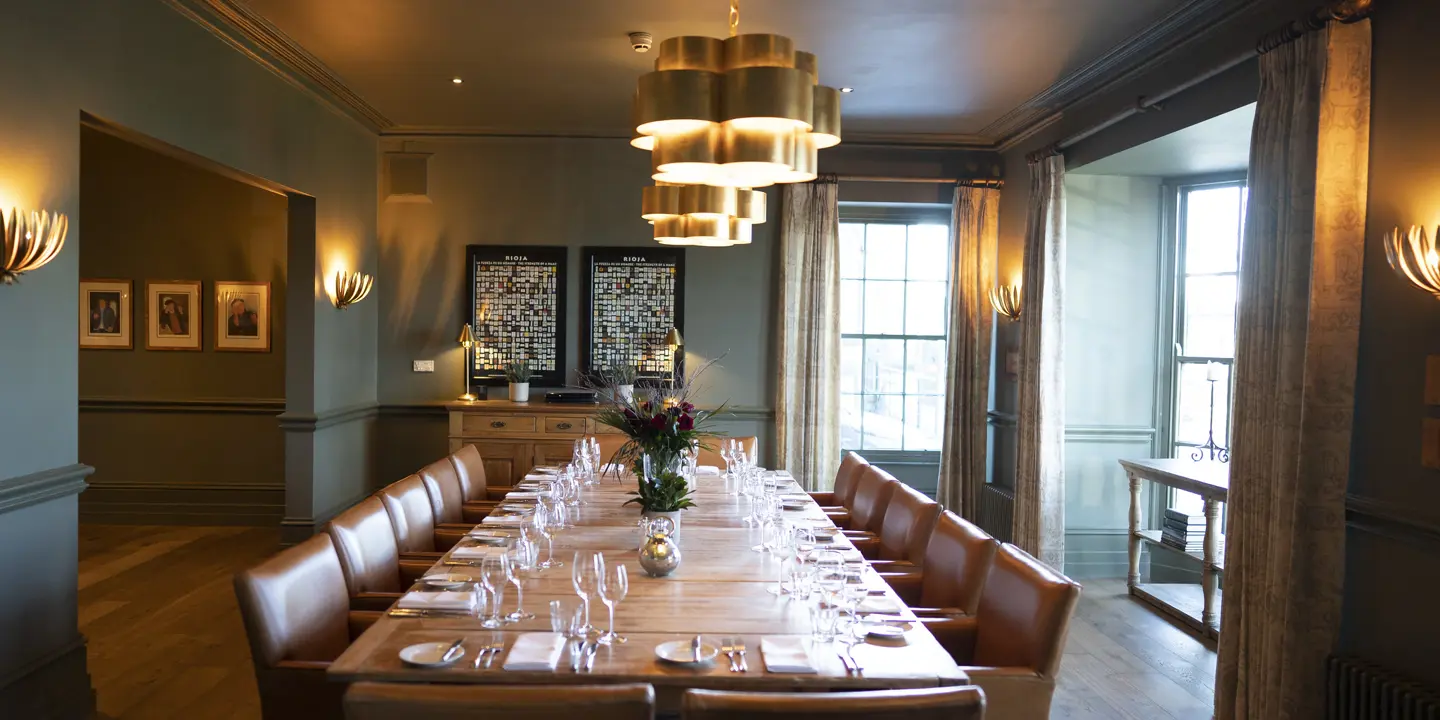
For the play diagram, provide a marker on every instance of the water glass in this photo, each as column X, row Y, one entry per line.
column 566, row 618
column 822, row 620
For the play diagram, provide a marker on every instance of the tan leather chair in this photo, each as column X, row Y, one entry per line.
column 873, row 490
column 480, row 498
column 396, row 701
column 297, row 617
column 957, row 560
column 412, row 517
column 909, row 520
column 365, row 543
column 447, row 495
column 1012, row 646
column 838, row 501
column 711, row 455
column 950, row 703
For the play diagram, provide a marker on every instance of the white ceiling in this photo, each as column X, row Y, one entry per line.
column 1220, row 144
column 932, row 67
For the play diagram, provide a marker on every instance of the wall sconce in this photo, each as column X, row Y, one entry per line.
column 1415, row 257
column 351, row 288
column 1006, row 300
column 29, row 240
column 467, row 341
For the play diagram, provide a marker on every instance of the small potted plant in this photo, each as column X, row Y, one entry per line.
column 622, row 382
column 662, row 492
column 518, row 374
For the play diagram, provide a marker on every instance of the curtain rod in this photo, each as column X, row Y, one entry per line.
column 974, row 182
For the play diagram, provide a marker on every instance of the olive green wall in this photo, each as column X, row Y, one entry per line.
column 160, row 454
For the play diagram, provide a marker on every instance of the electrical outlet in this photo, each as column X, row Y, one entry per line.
column 424, row 366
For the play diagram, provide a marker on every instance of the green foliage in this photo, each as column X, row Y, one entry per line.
column 621, row 375
column 518, row 371
column 665, row 492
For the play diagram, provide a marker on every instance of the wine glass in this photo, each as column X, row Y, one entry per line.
column 803, row 538
column 494, row 574
column 595, row 456
column 585, row 574
column 853, row 592
column 540, row 523
column 614, row 585
column 519, row 557
column 783, row 547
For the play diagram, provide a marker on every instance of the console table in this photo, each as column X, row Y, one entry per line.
column 1211, row 481
column 514, row 437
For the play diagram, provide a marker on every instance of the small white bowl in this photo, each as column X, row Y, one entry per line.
column 681, row 652
column 430, row 654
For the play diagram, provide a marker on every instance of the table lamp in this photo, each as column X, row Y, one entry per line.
column 674, row 342
column 467, row 341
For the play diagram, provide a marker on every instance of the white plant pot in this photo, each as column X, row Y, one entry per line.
column 625, row 392
column 520, row 392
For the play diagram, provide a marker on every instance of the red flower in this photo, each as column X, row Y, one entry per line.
column 687, row 407
column 657, row 422
column 686, row 423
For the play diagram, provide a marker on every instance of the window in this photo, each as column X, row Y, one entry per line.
column 894, row 312
column 1210, row 225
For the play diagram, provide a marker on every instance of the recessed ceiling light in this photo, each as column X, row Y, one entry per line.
column 847, row 89
column 457, row 80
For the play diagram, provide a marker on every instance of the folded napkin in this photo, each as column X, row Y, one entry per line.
column 879, row 604
column 449, row 600
column 522, row 495
column 538, row 478
column 706, row 470
column 476, row 552
column 535, row 651
column 783, row 473
column 613, row 468
column 786, row 655
column 505, row 520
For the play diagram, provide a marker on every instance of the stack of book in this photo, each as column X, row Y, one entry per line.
column 1185, row 532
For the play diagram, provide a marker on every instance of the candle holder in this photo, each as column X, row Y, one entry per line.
column 1215, row 450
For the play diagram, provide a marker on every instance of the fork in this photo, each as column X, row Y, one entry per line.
column 740, row 648
column 494, row 649
column 729, row 650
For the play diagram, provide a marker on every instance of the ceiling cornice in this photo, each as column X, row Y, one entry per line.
column 1196, row 19
column 254, row 36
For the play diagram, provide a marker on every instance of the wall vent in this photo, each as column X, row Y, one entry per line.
column 407, row 177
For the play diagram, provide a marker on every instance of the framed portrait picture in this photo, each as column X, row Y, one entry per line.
column 242, row 316
column 173, row 316
column 105, row 315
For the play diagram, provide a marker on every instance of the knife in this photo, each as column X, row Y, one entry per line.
column 450, row 651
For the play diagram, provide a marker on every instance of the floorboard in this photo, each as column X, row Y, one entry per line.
column 165, row 638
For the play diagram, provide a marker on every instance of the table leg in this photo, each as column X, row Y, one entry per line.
column 1133, row 578
column 1208, row 577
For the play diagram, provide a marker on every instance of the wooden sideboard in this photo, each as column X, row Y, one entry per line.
column 514, row 437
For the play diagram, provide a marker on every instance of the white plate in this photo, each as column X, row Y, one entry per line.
column 681, row 652
column 518, row 508
column 429, row 654
column 546, row 471
column 446, row 581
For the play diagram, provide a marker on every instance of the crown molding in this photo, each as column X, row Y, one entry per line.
column 1196, row 19
column 256, row 38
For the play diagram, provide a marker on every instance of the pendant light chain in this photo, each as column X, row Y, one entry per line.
column 734, row 17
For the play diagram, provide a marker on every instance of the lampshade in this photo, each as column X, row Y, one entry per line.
column 351, row 288
column 673, row 339
column 466, row 337
column 1415, row 257
column 28, row 241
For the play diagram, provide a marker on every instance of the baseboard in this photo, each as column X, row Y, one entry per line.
column 297, row 529
column 54, row 686
column 1096, row 554
column 183, row 504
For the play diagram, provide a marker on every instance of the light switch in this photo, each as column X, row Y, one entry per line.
column 424, row 366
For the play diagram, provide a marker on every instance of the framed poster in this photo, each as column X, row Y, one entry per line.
column 516, row 310
column 630, row 298
column 172, row 315
column 105, row 315
column 242, row 316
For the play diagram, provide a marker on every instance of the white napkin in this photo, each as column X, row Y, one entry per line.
column 786, row 655
column 522, row 495
column 783, row 473
column 879, row 604
column 461, row 601
column 504, row 520
column 535, row 651
column 706, row 470
column 613, row 468
column 539, row 478
column 476, row 552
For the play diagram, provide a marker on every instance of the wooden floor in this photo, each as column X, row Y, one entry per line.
column 165, row 639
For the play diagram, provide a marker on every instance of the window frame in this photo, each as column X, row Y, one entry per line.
column 899, row 214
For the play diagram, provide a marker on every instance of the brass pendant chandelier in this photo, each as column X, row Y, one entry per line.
column 721, row 117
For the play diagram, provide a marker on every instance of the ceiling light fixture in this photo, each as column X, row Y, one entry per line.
column 457, row 80
column 721, row 117
column 847, row 90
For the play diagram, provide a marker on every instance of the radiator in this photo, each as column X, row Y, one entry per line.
column 997, row 511
column 1361, row 691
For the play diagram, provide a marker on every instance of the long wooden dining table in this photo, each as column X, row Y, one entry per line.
column 721, row 589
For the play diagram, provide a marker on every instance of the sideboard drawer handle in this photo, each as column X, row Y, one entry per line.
column 498, row 424
column 563, row 426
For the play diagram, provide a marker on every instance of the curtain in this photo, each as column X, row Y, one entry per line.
column 1297, row 337
column 974, row 237
column 1039, row 526
column 807, row 411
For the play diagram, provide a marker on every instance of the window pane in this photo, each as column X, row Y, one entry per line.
column 1186, row 502
column 925, row 308
column 924, row 420
column 885, row 251
column 925, row 367
column 1212, row 230
column 884, row 367
column 851, row 363
column 1192, row 412
column 929, row 257
column 1210, row 316
column 852, row 250
column 883, row 422
column 850, row 422
column 852, row 298
column 884, row 307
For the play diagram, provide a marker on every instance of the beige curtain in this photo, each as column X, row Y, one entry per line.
column 975, row 222
column 807, row 411
column 1040, row 454
column 1297, row 337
